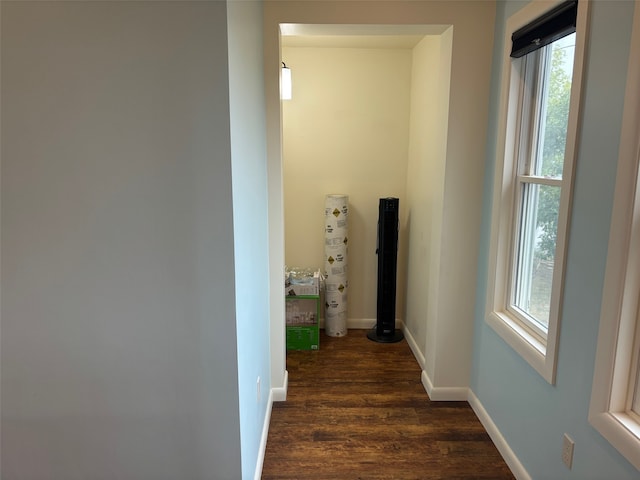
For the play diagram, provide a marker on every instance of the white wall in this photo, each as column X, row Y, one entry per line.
column 250, row 227
column 118, row 306
column 346, row 130
column 431, row 69
column 468, row 101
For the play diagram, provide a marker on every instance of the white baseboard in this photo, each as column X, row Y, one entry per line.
column 436, row 394
column 356, row 323
column 263, row 439
column 443, row 394
column 413, row 345
column 279, row 394
column 361, row 323
column 501, row 444
column 276, row 394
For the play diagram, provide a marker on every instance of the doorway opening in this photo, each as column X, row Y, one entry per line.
column 368, row 118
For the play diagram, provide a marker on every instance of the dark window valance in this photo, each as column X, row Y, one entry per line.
column 553, row 25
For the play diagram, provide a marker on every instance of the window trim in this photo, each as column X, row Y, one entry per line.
column 540, row 354
column 620, row 300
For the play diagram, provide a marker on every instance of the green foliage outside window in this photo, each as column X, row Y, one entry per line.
column 555, row 135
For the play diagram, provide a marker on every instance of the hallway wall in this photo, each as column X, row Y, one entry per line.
column 531, row 414
column 250, row 225
column 117, row 242
column 430, row 85
column 346, row 130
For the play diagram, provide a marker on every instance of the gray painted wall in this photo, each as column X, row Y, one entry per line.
column 119, row 347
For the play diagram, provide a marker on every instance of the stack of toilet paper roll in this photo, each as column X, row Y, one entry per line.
column 336, row 214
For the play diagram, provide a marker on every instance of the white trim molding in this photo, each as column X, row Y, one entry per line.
column 501, row 444
column 276, row 394
column 413, row 345
column 363, row 323
column 279, row 394
column 436, row 394
column 263, row 438
column 443, row 394
column 357, row 323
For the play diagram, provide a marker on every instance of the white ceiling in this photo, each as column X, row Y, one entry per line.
column 356, row 36
column 352, row 41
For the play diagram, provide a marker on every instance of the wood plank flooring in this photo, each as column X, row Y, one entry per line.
column 357, row 410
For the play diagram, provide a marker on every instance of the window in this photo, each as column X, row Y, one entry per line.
column 547, row 76
column 615, row 398
column 534, row 173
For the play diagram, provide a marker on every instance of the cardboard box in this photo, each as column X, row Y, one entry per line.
column 303, row 338
column 302, row 322
column 312, row 287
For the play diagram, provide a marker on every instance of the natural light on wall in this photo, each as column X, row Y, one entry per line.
column 285, row 82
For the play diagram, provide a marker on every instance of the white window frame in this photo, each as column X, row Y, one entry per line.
column 619, row 335
column 539, row 351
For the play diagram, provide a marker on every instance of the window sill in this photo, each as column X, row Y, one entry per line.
column 523, row 342
column 621, row 431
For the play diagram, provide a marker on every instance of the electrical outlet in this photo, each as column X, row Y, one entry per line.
column 567, row 450
column 258, row 390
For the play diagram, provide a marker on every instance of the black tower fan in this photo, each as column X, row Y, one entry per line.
column 385, row 330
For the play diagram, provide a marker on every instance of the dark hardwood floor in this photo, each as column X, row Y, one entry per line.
column 356, row 409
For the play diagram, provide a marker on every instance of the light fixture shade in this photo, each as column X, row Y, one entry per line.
column 285, row 82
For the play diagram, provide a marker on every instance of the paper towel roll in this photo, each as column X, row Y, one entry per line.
column 337, row 283
column 336, row 205
column 335, row 264
column 335, row 324
column 335, row 301
column 334, row 242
